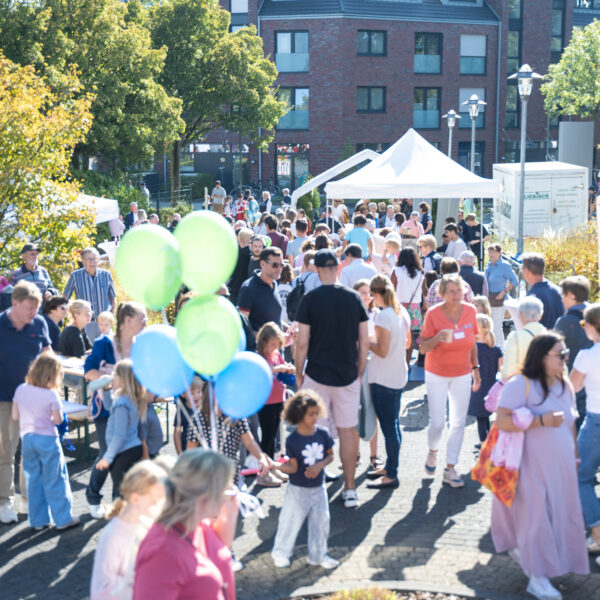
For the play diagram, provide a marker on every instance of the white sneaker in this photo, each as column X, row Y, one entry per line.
column 453, row 479
column 8, row 514
column 542, row 589
column 236, row 565
column 350, row 498
column 97, row 511
column 281, row 562
column 327, row 563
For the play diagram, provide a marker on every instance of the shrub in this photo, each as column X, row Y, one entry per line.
column 166, row 214
column 573, row 253
column 310, row 201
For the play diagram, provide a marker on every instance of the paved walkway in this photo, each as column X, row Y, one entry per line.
column 421, row 536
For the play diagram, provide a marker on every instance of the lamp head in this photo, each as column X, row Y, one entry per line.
column 451, row 116
column 525, row 77
column 474, row 103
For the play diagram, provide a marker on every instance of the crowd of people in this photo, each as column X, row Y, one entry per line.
column 329, row 304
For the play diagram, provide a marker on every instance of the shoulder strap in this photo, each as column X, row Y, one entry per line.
column 526, row 387
column 417, row 286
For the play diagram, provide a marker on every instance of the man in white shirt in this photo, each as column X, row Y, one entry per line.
column 390, row 219
column 357, row 268
column 218, row 197
column 456, row 245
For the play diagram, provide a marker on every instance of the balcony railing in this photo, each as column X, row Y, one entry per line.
column 428, row 63
column 292, row 63
column 465, row 121
column 426, row 119
column 295, row 119
column 472, row 65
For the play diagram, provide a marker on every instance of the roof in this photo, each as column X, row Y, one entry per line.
column 427, row 10
column 550, row 166
column 581, row 18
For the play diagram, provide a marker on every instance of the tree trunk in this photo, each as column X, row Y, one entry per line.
column 175, row 169
column 76, row 158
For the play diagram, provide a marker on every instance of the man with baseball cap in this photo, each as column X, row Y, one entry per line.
column 333, row 337
column 31, row 271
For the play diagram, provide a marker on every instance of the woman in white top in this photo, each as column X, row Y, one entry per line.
column 586, row 372
column 388, row 374
column 408, row 279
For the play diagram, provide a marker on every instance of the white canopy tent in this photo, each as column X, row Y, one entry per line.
column 105, row 209
column 310, row 185
column 413, row 168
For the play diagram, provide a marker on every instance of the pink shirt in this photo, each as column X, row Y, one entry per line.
column 35, row 406
column 170, row 566
column 278, row 388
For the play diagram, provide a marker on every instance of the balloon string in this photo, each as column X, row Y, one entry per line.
column 211, row 406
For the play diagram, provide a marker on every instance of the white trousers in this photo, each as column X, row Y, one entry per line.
column 458, row 392
column 498, row 319
column 299, row 503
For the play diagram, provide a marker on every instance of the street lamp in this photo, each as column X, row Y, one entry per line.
column 524, row 78
column 451, row 116
column 474, row 104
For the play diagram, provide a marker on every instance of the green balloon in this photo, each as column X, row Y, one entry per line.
column 209, row 250
column 148, row 265
column 208, row 333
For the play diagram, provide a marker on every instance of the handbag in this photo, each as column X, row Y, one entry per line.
column 367, row 419
column 501, row 481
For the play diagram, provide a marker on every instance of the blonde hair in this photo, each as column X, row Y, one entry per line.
column 381, row 284
column 107, row 316
column 486, row 327
column 124, row 310
column 198, row 474
column 266, row 333
column 482, row 304
column 45, row 372
column 138, row 480
column 132, row 388
column 449, row 278
column 76, row 307
column 25, row 290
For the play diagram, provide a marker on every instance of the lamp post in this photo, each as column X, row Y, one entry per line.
column 474, row 104
column 451, row 116
column 524, row 77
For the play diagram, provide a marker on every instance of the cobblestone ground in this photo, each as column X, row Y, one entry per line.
column 422, row 536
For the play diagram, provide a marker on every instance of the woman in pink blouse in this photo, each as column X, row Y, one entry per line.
column 186, row 552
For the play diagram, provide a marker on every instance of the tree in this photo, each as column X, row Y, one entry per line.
column 38, row 203
column 222, row 78
column 110, row 44
column 572, row 85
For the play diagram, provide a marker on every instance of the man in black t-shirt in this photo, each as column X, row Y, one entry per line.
column 333, row 337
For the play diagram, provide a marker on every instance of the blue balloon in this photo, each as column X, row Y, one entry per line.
column 157, row 362
column 244, row 386
column 243, row 341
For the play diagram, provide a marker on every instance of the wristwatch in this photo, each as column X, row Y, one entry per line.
column 474, row 367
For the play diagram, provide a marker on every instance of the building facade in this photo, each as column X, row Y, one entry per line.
column 358, row 73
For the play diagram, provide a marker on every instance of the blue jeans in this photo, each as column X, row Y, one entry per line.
column 588, row 442
column 97, row 478
column 48, row 487
column 386, row 402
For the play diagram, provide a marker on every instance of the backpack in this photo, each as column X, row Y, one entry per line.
column 294, row 298
column 262, row 207
column 437, row 261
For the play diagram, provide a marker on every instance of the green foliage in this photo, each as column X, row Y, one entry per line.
column 198, row 183
column 573, row 84
column 38, row 130
column 166, row 214
column 110, row 44
column 311, row 200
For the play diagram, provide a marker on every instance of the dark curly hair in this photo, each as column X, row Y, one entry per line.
column 297, row 406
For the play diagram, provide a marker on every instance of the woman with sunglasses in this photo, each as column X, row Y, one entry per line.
column 586, row 374
column 543, row 530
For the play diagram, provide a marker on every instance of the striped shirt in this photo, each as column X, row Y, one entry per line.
column 39, row 277
column 97, row 290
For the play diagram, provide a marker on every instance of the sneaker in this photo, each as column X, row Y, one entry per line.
column 97, row 511
column 73, row 523
column 592, row 545
column 68, row 445
column 541, row 588
column 281, row 562
column 236, row 565
column 268, row 481
column 452, row 478
column 431, row 462
column 350, row 498
column 8, row 514
column 326, row 563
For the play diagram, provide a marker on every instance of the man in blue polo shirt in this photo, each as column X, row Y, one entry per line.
column 533, row 269
column 23, row 335
column 258, row 298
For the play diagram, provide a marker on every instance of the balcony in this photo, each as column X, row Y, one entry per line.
column 428, row 63
column 296, row 62
column 295, row 119
column 426, row 119
column 472, row 65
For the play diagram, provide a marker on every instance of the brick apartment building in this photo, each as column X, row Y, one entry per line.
column 358, row 73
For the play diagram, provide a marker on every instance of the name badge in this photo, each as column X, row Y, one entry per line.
column 459, row 335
